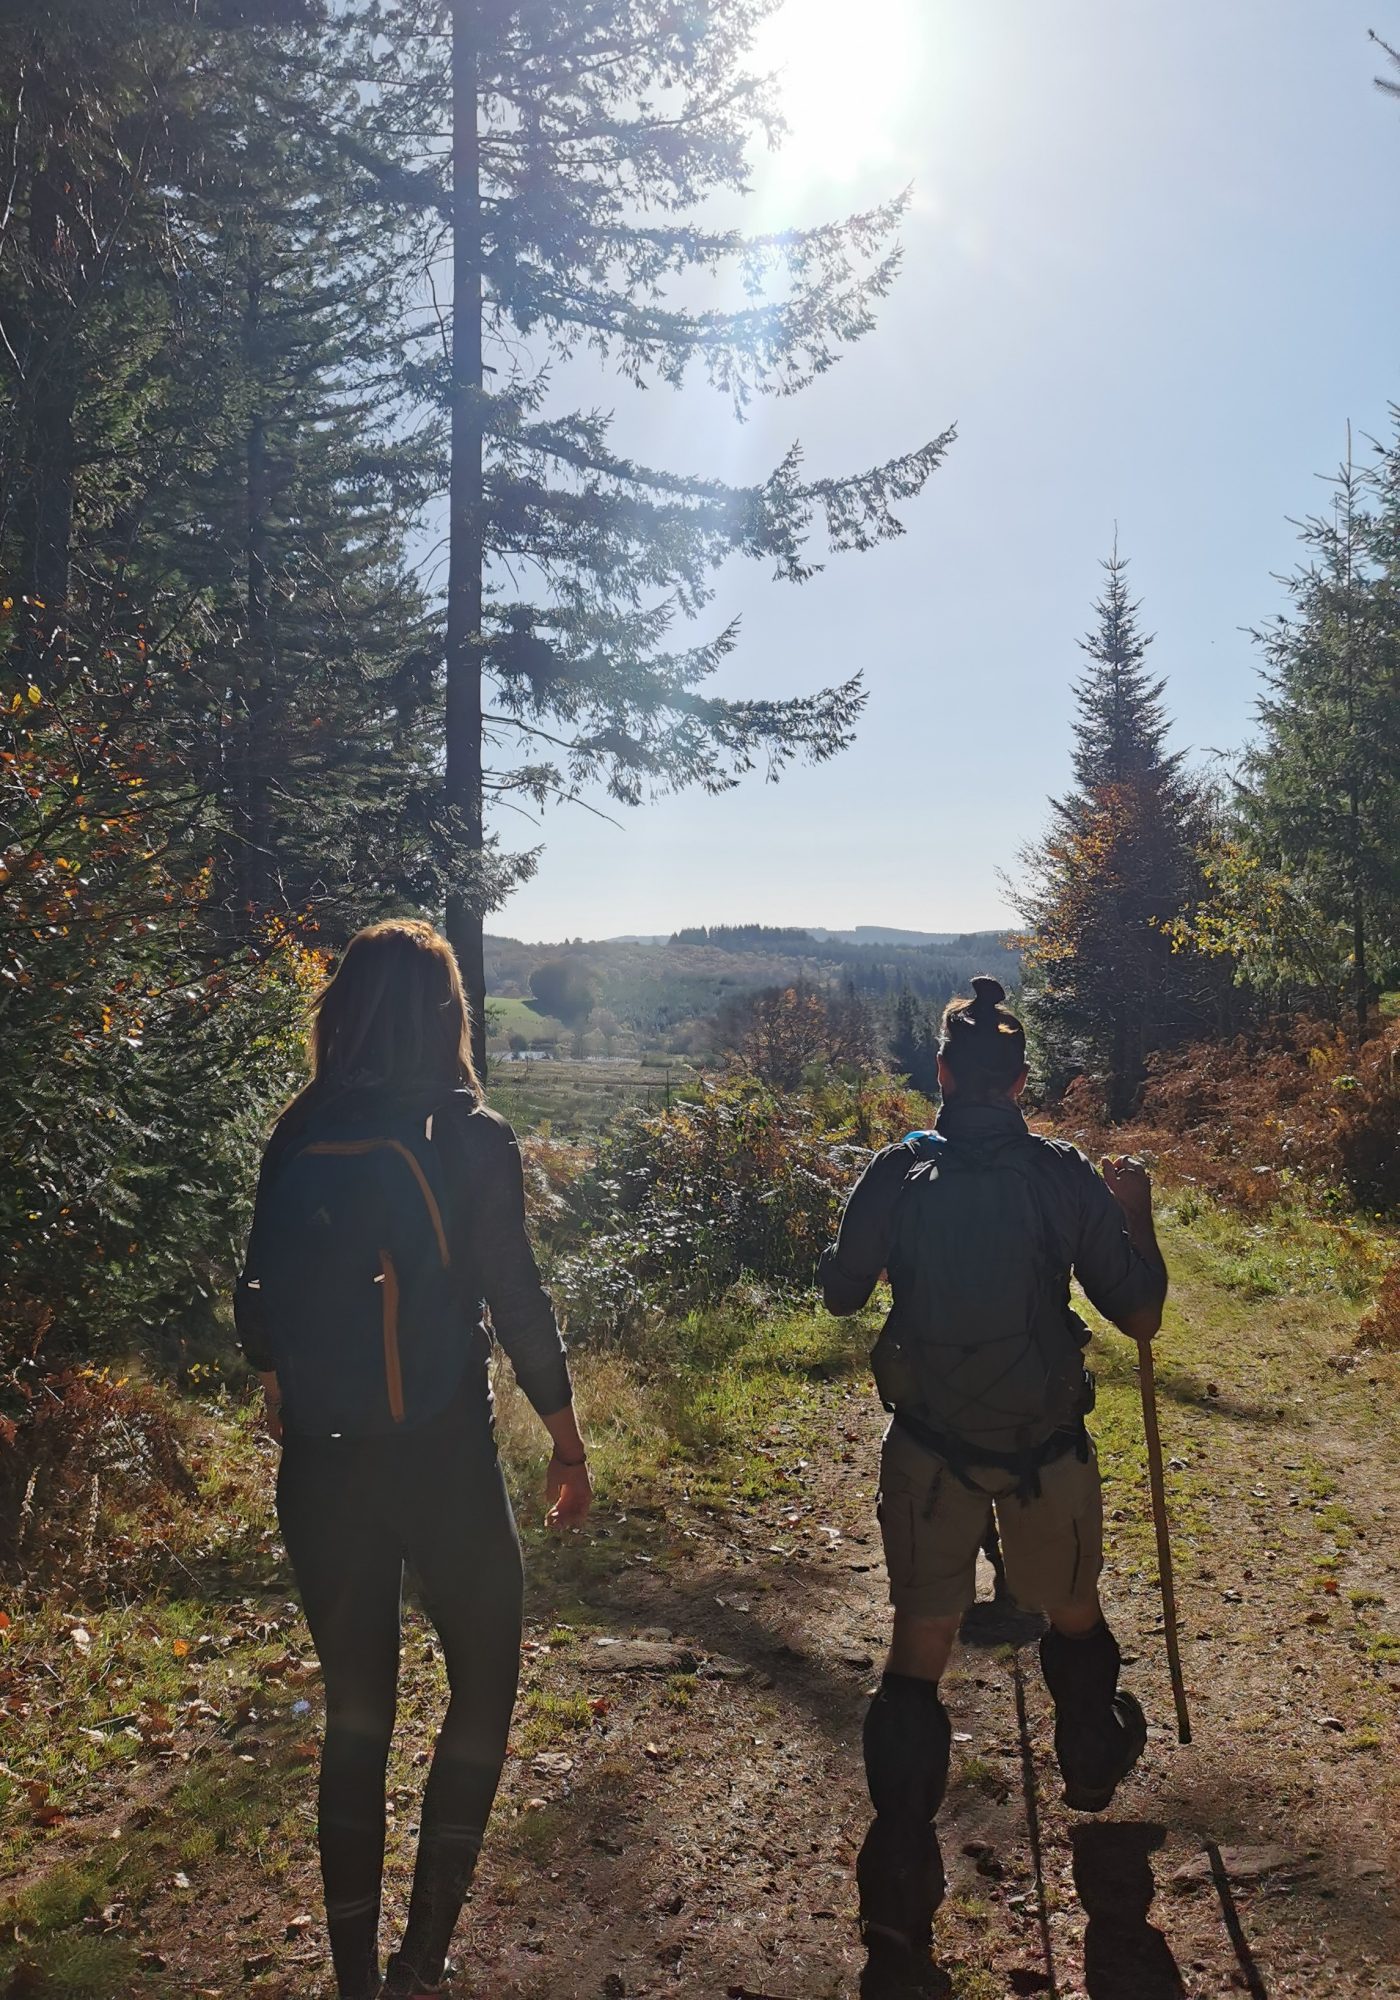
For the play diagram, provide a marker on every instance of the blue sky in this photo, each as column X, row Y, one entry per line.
column 1150, row 271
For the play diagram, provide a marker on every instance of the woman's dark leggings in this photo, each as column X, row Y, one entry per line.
column 353, row 1512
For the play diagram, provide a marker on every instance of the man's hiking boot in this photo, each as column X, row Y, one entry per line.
column 1100, row 1729
column 899, row 1873
column 1094, row 1760
column 895, row 1972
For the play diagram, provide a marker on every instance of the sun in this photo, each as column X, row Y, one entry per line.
column 851, row 75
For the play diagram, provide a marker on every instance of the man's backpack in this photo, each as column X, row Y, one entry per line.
column 351, row 1257
column 980, row 1318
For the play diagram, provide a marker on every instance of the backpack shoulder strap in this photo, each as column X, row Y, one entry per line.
column 924, row 1145
column 1024, row 1153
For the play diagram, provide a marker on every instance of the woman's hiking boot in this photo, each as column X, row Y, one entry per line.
column 441, row 1877
column 354, row 1936
column 403, row 1983
column 899, row 1873
column 1100, row 1729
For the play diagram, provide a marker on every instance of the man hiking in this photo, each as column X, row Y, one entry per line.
column 979, row 1225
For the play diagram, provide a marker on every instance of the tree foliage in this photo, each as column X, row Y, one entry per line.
column 564, row 987
column 781, row 1034
column 1321, row 804
column 1115, row 868
column 914, row 1041
column 564, row 162
column 201, row 584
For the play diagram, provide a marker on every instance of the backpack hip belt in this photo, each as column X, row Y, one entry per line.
column 963, row 1458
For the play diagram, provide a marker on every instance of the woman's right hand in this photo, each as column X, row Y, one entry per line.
column 568, row 1493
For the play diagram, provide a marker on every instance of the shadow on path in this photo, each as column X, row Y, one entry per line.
column 1042, row 1909
column 1125, row 1957
column 1254, row 1984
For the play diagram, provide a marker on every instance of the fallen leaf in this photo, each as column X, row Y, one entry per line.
column 180, row 1647
column 304, row 1753
column 181, row 1880
column 81, row 1637
column 4, row 1621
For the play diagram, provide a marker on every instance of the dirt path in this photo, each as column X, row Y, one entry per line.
column 684, row 1800
column 713, row 1845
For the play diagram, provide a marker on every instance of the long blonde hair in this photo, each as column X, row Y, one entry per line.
column 394, row 1011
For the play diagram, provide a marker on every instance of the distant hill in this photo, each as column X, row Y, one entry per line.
column 660, row 993
column 882, row 934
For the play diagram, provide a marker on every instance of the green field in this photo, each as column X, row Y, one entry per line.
column 523, row 1017
column 572, row 1100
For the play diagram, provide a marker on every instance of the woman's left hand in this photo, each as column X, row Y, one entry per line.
column 272, row 1407
column 568, row 1493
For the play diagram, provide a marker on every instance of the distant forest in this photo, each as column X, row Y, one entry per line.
column 670, row 994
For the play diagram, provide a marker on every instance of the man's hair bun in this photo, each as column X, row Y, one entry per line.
column 982, row 1041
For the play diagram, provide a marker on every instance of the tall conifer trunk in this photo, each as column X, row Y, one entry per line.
column 254, row 857
column 466, row 524
column 1354, row 829
column 45, row 510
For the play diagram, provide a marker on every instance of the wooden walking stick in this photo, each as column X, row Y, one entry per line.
column 1156, row 1481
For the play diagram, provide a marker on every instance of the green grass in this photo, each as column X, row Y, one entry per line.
column 575, row 1100
column 550, row 1718
column 1288, row 1253
column 506, row 1017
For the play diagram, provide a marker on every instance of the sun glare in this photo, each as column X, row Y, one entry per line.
column 850, row 73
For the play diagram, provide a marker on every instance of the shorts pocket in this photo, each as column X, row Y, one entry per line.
column 895, row 1512
column 905, row 1510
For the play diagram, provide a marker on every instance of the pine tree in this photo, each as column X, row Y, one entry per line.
column 211, row 648
column 206, row 450
column 568, row 149
column 914, row 1041
column 1322, row 806
column 290, row 533
column 1115, row 869
column 1121, row 730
